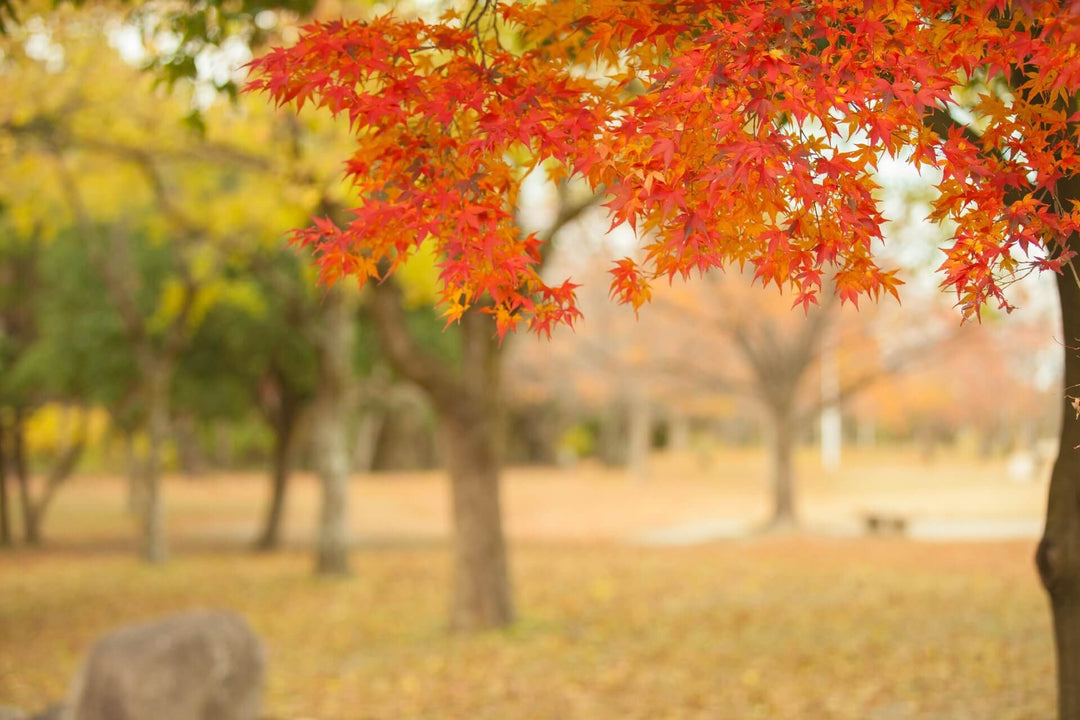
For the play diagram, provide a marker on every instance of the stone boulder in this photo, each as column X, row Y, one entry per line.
column 203, row 665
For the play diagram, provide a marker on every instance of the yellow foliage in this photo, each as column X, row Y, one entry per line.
column 53, row 425
column 239, row 293
column 419, row 277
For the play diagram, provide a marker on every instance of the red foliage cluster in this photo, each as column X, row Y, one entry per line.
column 738, row 131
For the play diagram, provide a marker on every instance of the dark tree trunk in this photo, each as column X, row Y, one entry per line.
column 467, row 404
column 335, row 348
column 22, row 472
column 367, row 434
column 472, row 431
column 781, row 469
column 189, row 453
column 224, row 449
column 153, row 545
column 1058, row 555
column 5, row 508
column 58, row 475
column 284, row 434
column 638, row 434
column 136, row 483
column 481, row 582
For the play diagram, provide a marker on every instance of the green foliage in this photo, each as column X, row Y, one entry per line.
column 234, row 348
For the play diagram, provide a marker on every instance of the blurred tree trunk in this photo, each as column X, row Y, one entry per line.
column 1058, row 554
column 58, row 474
column 638, row 434
column 678, row 431
column 189, row 453
column 71, row 451
column 133, row 474
column 467, row 405
column 5, row 508
column 866, row 431
column 367, row 431
column 782, row 438
column 224, row 446
column 471, row 427
column 334, row 341
column 285, row 420
column 612, row 440
column 157, row 374
column 22, row 471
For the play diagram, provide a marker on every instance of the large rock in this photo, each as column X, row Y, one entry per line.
column 205, row 665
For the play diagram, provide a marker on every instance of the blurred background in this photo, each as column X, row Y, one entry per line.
column 721, row 507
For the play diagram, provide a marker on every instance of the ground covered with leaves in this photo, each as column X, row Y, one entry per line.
column 779, row 627
column 797, row 626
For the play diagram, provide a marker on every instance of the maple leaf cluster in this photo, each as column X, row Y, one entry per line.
column 742, row 132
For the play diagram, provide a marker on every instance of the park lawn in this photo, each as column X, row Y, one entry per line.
column 788, row 626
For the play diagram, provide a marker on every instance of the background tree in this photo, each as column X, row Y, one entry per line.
column 126, row 183
column 468, row 401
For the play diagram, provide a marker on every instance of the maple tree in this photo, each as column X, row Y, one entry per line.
column 738, row 132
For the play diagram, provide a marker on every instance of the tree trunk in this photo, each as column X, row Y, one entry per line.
column 613, row 446
column 5, row 508
column 467, row 404
column 136, row 485
column 32, row 531
column 58, row 475
column 189, row 453
column 367, row 434
column 284, row 434
column 678, row 432
column 781, row 469
column 471, row 427
column 22, row 472
column 224, row 446
column 481, row 582
column 1058, row 554
column 335, row 348
column 154, row 547
column 638, row 434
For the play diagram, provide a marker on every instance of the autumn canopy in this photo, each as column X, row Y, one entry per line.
column 740, row 132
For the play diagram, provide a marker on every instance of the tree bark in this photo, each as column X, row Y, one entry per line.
column 157, row 375
column 22, row 472
column 58, row 475
column 367, row 433
column 189, row 453
column 136, row 485
column 335, row 347
column 482, row 597
column 638, row 434
column 481, row 582
column 467, row 405
column 1058, row 554
column 5, row 508
column 678, row 431
column 284, row 437
column 781, row 469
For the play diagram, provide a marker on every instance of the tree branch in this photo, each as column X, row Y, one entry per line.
column 404, row 354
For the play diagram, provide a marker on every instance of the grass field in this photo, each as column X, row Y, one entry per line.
column 793, row 626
